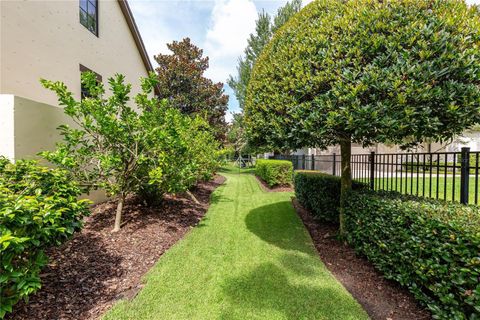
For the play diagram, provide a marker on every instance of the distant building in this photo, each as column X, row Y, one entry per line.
column 470, row 138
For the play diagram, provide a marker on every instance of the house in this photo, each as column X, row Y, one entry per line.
column 469, row 138
column 57, row 40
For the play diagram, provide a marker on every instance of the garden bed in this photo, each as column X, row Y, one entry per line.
column 381, row 298
column 88, row 274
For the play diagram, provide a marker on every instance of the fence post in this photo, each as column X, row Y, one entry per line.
column 372, row 170
column 313, row 162
column 334, row 163
column 464, row 175
column 303, row 162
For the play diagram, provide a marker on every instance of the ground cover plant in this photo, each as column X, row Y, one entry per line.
column 274, row 172
column 38, row 209
column 365, row 72
column 250, row 258
column 430, row 247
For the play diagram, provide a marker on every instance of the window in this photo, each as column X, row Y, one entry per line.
column 84, row 91
column 89, row 15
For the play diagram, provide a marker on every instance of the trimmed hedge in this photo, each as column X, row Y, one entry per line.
column 430, row 247
column 320, row 193
column 38, row 209
column 274, row 172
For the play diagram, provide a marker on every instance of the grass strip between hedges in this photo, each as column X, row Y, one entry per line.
column 250, row 258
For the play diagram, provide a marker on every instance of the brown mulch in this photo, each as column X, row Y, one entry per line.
column 381, row 298
column 96, row 267
column 266, row 188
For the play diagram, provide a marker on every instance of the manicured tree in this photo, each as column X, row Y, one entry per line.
column 182, row 82
column 109, row 147
column 343, row 72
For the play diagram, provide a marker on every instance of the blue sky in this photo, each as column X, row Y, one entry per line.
column 220, row 27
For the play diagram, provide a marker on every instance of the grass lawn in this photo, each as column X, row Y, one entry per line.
column 410, row 186
column 250, row 258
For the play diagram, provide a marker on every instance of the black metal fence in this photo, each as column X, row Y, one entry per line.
column 450, row 176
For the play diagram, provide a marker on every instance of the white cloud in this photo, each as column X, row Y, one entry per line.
column 473, row 1
column 231, row 23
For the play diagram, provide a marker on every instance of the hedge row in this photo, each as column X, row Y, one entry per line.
column 431, row 247
column 38, row 209
column 320, row 193
column 274, row 172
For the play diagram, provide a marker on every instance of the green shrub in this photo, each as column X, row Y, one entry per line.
column 320, row 193
column 428, row 246
column 274, row 172
column 140, row 145
column 38, row 209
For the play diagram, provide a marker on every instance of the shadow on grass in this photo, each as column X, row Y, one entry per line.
column 277, row 224
column 271, row 290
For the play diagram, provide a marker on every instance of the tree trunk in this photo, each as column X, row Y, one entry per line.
column 118, row 216
column 193, row 197
column 346, row 180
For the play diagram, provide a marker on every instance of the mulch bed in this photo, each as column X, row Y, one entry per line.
column 266, row 188
column 96, row 267
column 382, row 299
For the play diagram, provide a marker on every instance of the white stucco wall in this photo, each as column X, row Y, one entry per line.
column 35, row 127
column 28, row 127
column 44, row 39
column 7, row 137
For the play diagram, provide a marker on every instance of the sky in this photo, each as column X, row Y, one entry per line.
column 220, row 27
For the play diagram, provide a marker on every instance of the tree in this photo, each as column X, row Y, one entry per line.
column 343, row 72
column 256, row 42
column 148, row 151
column 182, row 82
column 236, row 136
column 108, row 147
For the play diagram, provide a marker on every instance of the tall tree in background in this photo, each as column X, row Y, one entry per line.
column 264, row 30
column 182, row 82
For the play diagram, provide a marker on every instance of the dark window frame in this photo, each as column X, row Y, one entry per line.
column 83, row 91
column 88, row 3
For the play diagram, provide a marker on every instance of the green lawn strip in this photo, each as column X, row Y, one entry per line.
column 409, row 186
column 250, row 258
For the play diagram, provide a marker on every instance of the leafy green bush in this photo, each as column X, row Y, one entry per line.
column 274, row 172
column 148, row 150
column 428, row 246
column 38, row 209
column 182, row 151
column 320, row 193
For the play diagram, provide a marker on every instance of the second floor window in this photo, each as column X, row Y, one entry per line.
column 89, row 15
column 84, row 91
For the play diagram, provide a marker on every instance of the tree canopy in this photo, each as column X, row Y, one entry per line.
column 182, row 82
column 367, row 71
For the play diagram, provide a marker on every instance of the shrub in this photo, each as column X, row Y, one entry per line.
column 182, row 151
column 274, row 172
column 320, row 194
column 149, row 149
column 38, row 209
column 430, row 247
